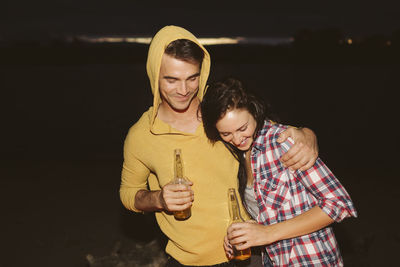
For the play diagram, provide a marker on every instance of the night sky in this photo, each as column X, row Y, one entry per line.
column 48, row 19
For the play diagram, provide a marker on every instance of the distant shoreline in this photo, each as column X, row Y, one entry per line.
column 298, row 52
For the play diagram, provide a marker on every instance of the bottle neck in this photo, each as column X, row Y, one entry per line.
column 178, row 164
column 234, row 208
column 235, row 216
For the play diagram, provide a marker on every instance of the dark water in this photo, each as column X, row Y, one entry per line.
column 81, row 111
column 62, row 117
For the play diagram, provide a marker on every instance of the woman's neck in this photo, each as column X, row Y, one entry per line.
column 249, row 172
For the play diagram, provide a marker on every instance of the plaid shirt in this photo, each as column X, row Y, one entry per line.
column 283, row 194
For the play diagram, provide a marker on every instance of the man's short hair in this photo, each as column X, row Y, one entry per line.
column 186, row 50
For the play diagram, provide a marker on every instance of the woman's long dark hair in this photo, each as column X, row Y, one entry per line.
column 222, row 97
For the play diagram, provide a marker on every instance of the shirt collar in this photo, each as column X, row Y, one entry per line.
column 259, row 140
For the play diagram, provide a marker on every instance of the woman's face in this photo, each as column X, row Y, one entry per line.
column 237, row 127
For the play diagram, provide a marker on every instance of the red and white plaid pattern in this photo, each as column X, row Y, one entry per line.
column 283, row 194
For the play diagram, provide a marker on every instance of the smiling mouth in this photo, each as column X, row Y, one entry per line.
column 242, row 143
column 183, row 98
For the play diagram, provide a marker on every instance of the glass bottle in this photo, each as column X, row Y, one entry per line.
column 234, row 211
column 180, row 179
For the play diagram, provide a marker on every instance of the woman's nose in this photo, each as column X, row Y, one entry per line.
column 236, row 139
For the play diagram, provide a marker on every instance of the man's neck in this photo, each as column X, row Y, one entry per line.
column 184, row 121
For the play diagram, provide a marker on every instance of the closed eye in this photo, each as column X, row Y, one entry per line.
column 171, row 80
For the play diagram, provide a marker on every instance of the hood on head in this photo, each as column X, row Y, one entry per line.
column 157, row 47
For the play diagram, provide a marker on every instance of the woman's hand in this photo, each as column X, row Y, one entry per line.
column 249, row 234
column 303, row 154
column 228, row 248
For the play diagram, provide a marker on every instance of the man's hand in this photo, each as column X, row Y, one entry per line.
column 302, row 155
column 176, row 197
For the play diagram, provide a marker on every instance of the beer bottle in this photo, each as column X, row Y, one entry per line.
column 180, row 179
column 234, row 211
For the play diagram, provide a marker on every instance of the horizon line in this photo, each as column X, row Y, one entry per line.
column 202, row 40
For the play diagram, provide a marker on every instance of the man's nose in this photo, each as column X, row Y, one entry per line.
column 182, row 89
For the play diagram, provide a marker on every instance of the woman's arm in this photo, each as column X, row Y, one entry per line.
column 247, row 234
column 333, row 203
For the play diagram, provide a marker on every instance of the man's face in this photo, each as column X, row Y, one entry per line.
column 178, row 82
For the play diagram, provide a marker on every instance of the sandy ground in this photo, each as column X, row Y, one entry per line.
column 57, row 212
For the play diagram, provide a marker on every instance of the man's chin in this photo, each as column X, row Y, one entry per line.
column 180, row 109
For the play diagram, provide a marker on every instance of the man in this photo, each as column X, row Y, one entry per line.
column 178, row 68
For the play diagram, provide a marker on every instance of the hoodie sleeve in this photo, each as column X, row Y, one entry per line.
column 134, row 174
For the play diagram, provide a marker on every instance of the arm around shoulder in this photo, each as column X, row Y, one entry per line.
column 304, row 152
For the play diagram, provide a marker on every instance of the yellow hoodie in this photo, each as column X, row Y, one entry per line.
column 148, row 162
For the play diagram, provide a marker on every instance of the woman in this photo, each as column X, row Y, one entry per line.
column 293, row 208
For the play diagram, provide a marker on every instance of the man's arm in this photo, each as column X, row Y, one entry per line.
column 136, row 197
column 172, row 197
column 146, row 200
column 135, row 173
column 303, row 154
column 134, row 191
